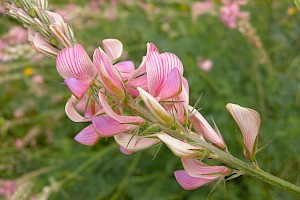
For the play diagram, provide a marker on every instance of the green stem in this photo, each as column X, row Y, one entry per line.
column 221, row 155
column 246, row 168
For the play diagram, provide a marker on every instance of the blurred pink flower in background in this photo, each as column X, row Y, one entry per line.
column 200, row 8
column 7, row 187
column 204, row 64
column 16, row 35
column 2, row 10
column 230, row 12
column 65, row 12
column 18, row 113
column 19, row 144
column 38, row 79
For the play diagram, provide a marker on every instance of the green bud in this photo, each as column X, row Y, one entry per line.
column 18, row 4
column 54, row 41
column 32, row 13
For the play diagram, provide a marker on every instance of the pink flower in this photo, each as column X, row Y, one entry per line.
column 179, row 148
column 205, row 64
column 161, row 75
column 201, row 125
column 7, row 187
column 201, row 7
column 19, row 143
column 249, row 122
column 75, row 66
column 16, row 35
column 197, row 174
column 230, row 13
column 38, row 79
column 133, row 143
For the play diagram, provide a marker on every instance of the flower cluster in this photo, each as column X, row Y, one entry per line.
column 48, row 33
column 139, row 107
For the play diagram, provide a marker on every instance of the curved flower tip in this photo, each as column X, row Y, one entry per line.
column 155, row 108
column 249, row 122
column 113, row 48
column 78, row 87
column 188, row 182
column 107, row 127
column 131, row 143
column 200, row 124
column 87, row 136
column 197, row 174
column 124, row 151
column 72, row 113
column 179, row 148
column 196, row 168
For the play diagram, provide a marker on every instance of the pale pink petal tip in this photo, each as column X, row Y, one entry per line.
column 87, row 136
column 188, row 182
column 124, row 151
column 113, row 48
column 77, row 86
column 201, row 125
column 249, row 122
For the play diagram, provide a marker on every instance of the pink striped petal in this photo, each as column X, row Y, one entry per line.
column 87, row 136
column 134, row 143
column 171, row 61
column 205, row 129
column 72, row 113
column 107, row 127
column 171, row 87
column 195, row 168
column 108, row 74
column 43, row 46
column 249, row 122
column 125, row 69
column 77, row 86
column 155, row 108
column 142, row 68
column 74, row 62
column 155, row 72
column 113, row 48
column 188, row 182
column 115, row 116
column 179, row 148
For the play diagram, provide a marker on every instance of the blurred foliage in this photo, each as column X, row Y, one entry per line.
column 101, row 172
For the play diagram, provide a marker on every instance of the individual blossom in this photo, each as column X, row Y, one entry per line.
column 180, row 148
column 249, row 122
column 202, row 126
column 161, row 75
column 132, row 143
column 197, row 174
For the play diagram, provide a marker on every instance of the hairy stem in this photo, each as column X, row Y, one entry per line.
column 223, row 156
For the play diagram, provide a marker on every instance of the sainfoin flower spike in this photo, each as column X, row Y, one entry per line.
column 249, row 122
column 197, row 174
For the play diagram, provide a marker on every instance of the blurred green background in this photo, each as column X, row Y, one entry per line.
column 52, row 164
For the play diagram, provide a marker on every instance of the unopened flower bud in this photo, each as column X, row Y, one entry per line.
column 155, row 108
column 32, row 13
